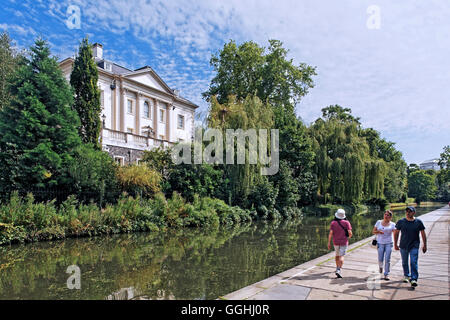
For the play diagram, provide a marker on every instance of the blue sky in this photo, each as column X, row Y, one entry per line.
column 394, row 77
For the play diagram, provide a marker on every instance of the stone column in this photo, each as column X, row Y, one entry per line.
column 137, row 115
column 168, row 113
column 155, row 118
column 123, row 102
column 114, row 111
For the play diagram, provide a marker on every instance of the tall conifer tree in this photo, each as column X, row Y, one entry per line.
column 84, row 78
column 38, row 129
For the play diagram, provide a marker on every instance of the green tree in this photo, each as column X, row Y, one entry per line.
column 338, row 113
column 444, row 160
column 9, row 62
column 411, row 168
column 345, row 168
column 248, row 69
column 297, row 154
column 421, row 186
column 396, row 174
column 159, row 159
column 443, row 176
column 38, row 130
column 91, row 175
column 189, row 180
column 250, row 113
column 84, row 78
column 204, row 180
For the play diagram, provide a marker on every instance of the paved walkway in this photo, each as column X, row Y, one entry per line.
column 315, row 279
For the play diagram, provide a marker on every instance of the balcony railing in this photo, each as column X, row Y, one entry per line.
column 131, row 140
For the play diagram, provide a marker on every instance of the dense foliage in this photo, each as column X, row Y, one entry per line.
column 38, row 127
column 22, row 219
column 91, row 175
column 421, row 185
column 443, row 176
column 249, row 70
column 354, row 164
column 139, row 180
column 9, row 62
column 250, row 113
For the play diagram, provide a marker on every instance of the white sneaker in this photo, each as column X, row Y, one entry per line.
column 338, row 273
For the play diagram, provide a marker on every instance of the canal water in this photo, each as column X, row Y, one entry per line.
column 183, row 264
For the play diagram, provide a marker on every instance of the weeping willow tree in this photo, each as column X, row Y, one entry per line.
column 345, row 169
column 250, row 113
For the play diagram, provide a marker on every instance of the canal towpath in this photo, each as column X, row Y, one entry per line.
column 315, row 279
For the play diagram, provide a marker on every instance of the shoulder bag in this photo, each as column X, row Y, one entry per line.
column 345, row 230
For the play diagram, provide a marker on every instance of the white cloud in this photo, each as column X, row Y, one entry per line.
column 19, row 30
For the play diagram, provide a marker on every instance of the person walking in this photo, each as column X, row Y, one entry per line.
column 410, row 227
column 340, row 232
column 384, row 229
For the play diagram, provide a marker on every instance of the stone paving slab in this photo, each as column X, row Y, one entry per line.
column 283, row 292
column 321, row 294
column 315, row 279
column 433, row 283
column 269, row 282
column 243, row 293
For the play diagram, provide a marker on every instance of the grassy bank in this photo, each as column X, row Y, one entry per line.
column 324, row 210
column 24, row 220
column 403, row 205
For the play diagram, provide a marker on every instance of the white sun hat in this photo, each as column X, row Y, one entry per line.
column 340, row 214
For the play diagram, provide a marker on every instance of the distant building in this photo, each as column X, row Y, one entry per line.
column 139, row 110
column 432, row 164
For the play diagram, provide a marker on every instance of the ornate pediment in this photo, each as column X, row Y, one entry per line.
column 148, row 77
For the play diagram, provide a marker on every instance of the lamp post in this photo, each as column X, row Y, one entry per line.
column 103, row 121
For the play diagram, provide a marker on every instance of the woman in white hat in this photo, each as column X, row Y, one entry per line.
column 340, row 231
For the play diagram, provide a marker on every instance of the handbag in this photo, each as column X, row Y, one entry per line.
column 374, row 241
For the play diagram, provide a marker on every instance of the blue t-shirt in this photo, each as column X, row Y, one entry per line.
column 409, row 233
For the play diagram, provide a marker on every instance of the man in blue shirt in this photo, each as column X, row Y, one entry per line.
column 410, row 228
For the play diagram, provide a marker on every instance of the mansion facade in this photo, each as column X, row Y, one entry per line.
column 139, row 110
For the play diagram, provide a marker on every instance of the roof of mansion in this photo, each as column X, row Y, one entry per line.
column 118, row 70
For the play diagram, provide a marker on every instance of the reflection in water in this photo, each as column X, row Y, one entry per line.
column 183, row 264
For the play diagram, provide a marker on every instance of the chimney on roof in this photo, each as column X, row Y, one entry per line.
column 97, row 50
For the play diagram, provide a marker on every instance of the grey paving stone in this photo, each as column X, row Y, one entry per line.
column 283, row 292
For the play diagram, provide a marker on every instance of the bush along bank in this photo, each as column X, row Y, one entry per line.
column 24, row 220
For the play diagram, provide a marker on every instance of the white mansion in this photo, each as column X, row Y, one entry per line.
column 139, row 110
column 432, row 164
